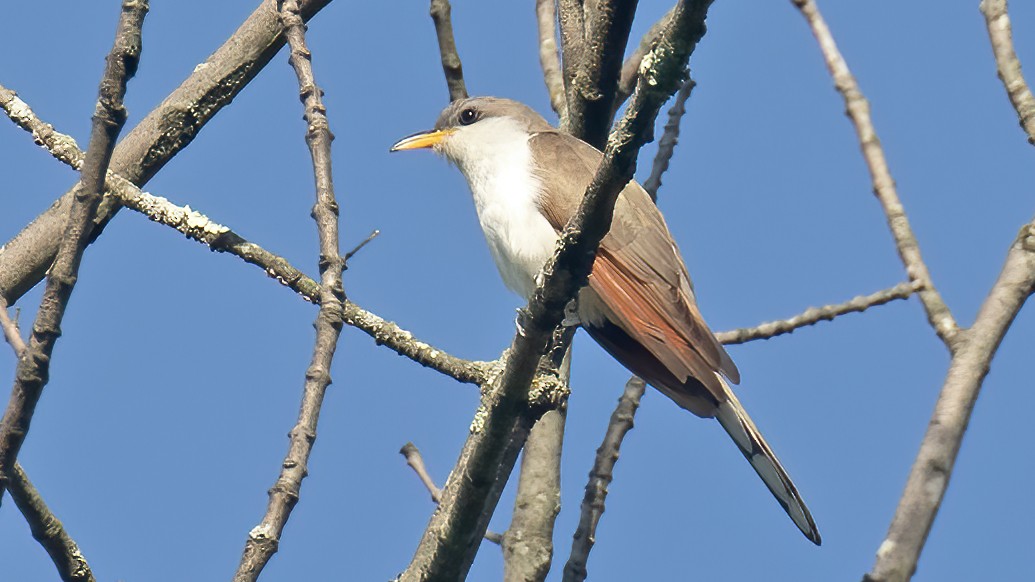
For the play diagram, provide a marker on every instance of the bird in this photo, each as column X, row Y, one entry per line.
column 527, row 178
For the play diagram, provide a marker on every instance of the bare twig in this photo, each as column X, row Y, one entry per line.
column 504, row 419
column 165, row 131
column 48, row 530
column 858, row 109
column 669, row 139
column 1008, row 65
column 451, row 66
column 549, row 57
column 373, row 234
column 11, row 332
column 591, row 94
column 108, row 118
column 416, row 462
column 600, row 477
column 218, row 237
column 814, row 315
column 264, row 538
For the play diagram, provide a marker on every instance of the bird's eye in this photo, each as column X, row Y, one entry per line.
column 468, row 116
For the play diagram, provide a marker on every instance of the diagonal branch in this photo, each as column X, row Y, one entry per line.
column 814, row 315
column 502, row 423
column 1008, row 66
column 165, row 131
column 264, row 539
column 600, row 477
column 669, row 139
column 198, row 227
column 858, row 109
column 48, row 530
column 451, row 66
column 109, row 116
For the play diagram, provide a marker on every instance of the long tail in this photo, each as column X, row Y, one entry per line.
column 735, row 420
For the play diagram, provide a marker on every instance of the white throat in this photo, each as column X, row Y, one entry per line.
column 494, row 156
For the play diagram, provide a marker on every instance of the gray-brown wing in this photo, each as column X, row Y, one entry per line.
column 639, row 273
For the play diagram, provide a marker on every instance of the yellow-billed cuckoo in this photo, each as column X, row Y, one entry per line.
column 528, row 179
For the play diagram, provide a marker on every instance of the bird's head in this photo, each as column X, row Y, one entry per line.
column 475, row 127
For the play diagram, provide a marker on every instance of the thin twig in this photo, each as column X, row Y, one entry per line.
column 48, row 530
column 451, row 66
column 549, row 57
column 600, row 477
column 108, row 118
column 814, row 315
column 163, row 133
column 196, row 226
column 12, row 334
column 264, row 539
column 502, row 423
column 591, row 94
column 373, row 234
column 1008, row 66
column 669, row 139
column 858, row 109
column 416, row 462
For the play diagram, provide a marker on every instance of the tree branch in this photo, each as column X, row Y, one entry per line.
column 502, row 423
column 572, row 23
column 549, row 57
column 631, row 67
column 416, row 462
column 929, row 477
column 669, row 139
column 1008, row 66
column 48, row 530
column 264, row 539
column 814, row 315
column 165, row 131
column 109, row 116
column 196, row 226
column 528, row 543
column 11, row 332
column 858, row 110
column 591, row 93
column 451, row 66
column 600, row 477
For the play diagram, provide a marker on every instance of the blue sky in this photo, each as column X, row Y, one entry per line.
column 180, row 370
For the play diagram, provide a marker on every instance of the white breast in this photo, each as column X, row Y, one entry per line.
column 494, row 156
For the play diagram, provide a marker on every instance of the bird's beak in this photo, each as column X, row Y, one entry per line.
column 424, row 139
